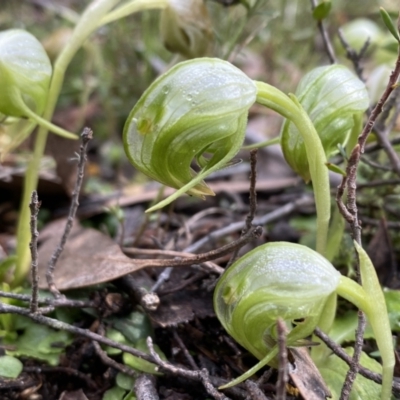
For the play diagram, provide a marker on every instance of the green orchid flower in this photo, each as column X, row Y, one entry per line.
column 197, row 111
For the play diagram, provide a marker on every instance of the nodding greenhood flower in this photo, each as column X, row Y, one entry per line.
column 331, row 96
column 25, row 73
column 185, row 27
column 196, row 111
column 274, row 280
column 292, row 282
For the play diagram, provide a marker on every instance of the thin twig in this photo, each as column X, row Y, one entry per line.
column 352, row 55
column 50, row 301
column 86, row 136
column 252, row 189
column 325, row 37
column 283, row 361
column 252, row 201
column 34, row 207
column 184, row 349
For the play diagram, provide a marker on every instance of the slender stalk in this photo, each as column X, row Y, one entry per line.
column 290, row 108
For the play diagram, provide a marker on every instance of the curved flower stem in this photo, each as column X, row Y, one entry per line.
column 290, row 108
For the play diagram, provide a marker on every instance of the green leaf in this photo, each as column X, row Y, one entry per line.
column 389, row 23
column 10, row 367
column 142, row 365
column 330, row 95
column 25, row 73
column 334, row 371
column 117, row 336
column 124, row 381
column 321, row 11
column 134, row 327
column 41, row 342
column 115, row 393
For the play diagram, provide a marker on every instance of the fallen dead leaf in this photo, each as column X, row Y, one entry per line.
column 91, row 257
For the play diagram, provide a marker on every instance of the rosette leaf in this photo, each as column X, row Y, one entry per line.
column 331, row 96
column 25, row 73
column 196, row 111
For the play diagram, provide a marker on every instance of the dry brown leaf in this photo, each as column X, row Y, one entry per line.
column 90, row 258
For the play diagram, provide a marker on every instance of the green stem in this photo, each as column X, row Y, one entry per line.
column 290, row 108
column 132, row 7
